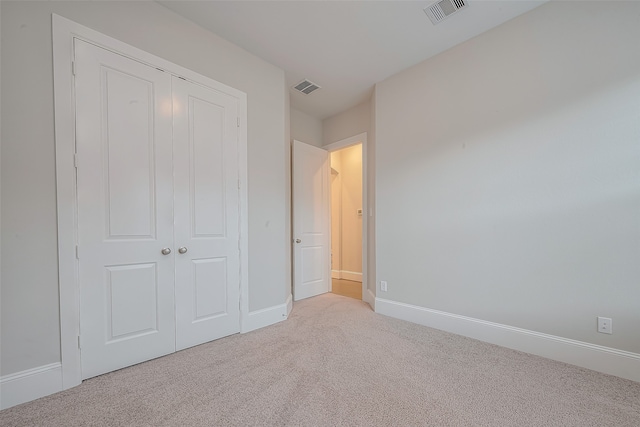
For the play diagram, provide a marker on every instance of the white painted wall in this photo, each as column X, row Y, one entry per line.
column 349, row 123
column 306, row 128
column 508, row 175
column 30, row 333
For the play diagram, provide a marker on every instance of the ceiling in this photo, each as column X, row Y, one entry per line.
column 346, row 47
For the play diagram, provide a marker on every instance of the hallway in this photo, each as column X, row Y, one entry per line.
column 347, row 288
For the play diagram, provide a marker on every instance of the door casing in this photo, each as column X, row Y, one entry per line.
column 64, row 32
column 367, row 295
column 367, row 211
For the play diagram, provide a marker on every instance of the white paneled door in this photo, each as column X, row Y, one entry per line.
column 157, row 172
column 206, row 213
column 311, row 221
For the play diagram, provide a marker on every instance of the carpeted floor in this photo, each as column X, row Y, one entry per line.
column 336, row 363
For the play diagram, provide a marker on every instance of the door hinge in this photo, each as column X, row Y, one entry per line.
column 77, row 252
column 73, row 67
column 238, row 121
column 75, row 160
column 238, row 184
column 79, row 346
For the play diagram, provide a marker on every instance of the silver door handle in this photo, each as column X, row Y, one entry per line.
column 165, row 251
column 182, row 250
column 298, row 240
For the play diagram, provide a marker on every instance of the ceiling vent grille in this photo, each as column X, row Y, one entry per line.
column 306, row 87
column 438, row 11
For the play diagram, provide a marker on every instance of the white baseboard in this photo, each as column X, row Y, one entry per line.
column 346, row 275
column 351, row 275
column 370, row 298
column 42, row 381
column 268, row 316
column 608, row 360
column 29, row 385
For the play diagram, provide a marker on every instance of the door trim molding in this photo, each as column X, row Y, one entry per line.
column 361, row 138
column 64, row 31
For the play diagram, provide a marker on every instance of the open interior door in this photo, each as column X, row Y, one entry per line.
column 311, row 221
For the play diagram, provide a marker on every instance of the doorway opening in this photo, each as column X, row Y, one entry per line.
column 311, row 220
column 347, row 221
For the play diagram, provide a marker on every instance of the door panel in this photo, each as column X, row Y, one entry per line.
column 206, row 143
column 125, row 206
column 132, row 300
column 206, row 213
column 127, row 116
column 311, row 213
column 210, row 279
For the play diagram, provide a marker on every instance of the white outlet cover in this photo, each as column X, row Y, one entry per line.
column 605, row 325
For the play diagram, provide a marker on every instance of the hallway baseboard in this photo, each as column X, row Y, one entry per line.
column 346, row 275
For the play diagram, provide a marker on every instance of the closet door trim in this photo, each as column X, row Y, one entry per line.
column 64, row 33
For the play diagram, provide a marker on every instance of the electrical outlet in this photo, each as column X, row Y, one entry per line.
column 383, row 285
column 605, row 325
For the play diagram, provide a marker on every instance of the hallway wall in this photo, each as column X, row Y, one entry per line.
column 348, row 163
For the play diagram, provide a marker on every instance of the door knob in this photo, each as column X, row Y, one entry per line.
column 165, row 251
column 182, row 250
column 298, row 240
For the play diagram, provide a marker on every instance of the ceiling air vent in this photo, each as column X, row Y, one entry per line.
column 306, row 87
column 438, row 11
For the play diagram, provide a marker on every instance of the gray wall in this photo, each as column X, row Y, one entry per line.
column 30, row 333
column 306, row 128
column 371, row 198
column 352, row 122
column 508, row 173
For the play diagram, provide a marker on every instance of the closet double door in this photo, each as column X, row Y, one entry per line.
column 158, row 211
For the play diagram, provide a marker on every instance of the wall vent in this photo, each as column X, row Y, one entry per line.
column 441, row 10
column 306, row 87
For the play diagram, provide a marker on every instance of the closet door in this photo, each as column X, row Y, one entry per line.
column 125, row 210
column 206, row 210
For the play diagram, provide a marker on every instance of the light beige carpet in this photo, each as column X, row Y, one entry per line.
column 336, row 363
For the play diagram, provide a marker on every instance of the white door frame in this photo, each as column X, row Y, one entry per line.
column 344, row 143
column 64, row 31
